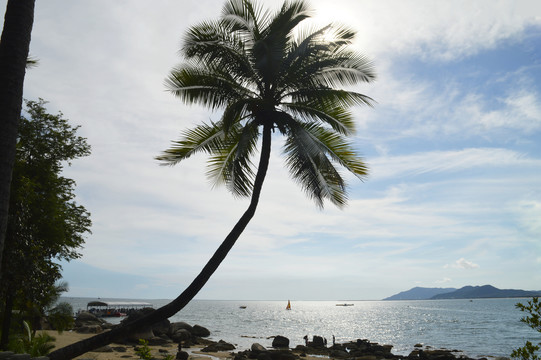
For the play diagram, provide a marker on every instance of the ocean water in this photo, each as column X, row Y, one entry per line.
column 481, row 327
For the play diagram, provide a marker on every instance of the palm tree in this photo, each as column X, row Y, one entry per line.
column 267, row 78
column 14, row 46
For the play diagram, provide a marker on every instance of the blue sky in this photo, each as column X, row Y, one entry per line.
column 453, row 146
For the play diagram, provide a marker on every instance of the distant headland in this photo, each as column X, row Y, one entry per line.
column 467, row 292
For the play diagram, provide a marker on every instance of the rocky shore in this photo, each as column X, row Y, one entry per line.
column 182, row 341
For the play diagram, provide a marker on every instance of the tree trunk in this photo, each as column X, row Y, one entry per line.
column 14, row 46
column 187, row 295
column 6, row 322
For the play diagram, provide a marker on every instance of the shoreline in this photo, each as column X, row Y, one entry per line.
column 115, row 351
column 158, row 351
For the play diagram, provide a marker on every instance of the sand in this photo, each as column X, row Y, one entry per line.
column 70, row 337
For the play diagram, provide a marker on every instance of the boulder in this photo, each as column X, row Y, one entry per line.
column 181, row 335
column 200, row 331
column 257, row 348
column 339, row 354
column 89, row 329
column 159, row 341
column 85, row 318
column 219, row 346
column 282, row 355
column 263, row 356
column 280, row 341
column 318, row 341
column 174, row 327
column 145, row 333
column 182, row 355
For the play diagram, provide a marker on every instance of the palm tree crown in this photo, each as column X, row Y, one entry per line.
column 268, row 77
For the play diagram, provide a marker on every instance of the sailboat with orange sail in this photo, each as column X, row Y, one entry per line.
column 288, row 307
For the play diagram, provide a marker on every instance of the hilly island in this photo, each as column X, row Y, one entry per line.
column 466, row 292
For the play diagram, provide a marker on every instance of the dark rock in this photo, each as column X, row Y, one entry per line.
column 119, row 348
column 219, row 346
column 174, row 327
column 181, row 335
column 318, row 341
column 258, row 348
column 263, row 356
column 282, row 355
column 89, row 329
column 161, row 328
column 158, row 341
column 280, row 342
column 182, row 355
column 86, row 318
column 200, row 331
column 339, row 354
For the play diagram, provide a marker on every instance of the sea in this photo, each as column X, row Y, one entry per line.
column 477, row 328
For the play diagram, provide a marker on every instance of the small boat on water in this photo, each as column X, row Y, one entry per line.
column 288, row 307
column 345, row 304
column 242, row 307
column 115, row 308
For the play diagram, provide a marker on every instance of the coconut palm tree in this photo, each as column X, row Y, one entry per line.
column 267, row 78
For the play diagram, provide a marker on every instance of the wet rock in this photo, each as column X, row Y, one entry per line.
column 258, row 348
column 280, row 342
column 182, row 355
column 200, row 331
column 317, row 341
column 174, row 327
column 339, row 354
column 219, row 346
column 181, row 335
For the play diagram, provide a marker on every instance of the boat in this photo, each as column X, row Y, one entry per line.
column 242, row 307
column 288, row 307
column 345, row 304
column 115, row 308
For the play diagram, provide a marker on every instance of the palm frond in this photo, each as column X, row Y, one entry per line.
column 310, row 153
column 232, row 165
column 311, row 168
column 209, row 87
column 245, row 16
column 206, row 138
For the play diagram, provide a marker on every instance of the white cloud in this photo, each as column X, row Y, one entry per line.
column 442, row 30
column 463, row 264
column 448, row 161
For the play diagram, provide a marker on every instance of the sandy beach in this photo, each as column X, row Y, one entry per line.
column 159, row 352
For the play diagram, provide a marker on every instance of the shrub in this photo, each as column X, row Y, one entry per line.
column 528, row 351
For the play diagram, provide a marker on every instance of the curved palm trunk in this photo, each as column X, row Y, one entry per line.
column 14, row 47
column 187, row 295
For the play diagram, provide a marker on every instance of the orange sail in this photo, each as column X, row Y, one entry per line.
column 288, row 307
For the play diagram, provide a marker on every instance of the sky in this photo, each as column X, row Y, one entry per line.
column 453, row 145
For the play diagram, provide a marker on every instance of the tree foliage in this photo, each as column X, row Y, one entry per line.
column 265, row 73
column 530, row 351
column 45, row 222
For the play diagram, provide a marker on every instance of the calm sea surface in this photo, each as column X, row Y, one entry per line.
column 482, row 327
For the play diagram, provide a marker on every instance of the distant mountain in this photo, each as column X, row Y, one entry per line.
column 420, row 293
column 486, row 291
